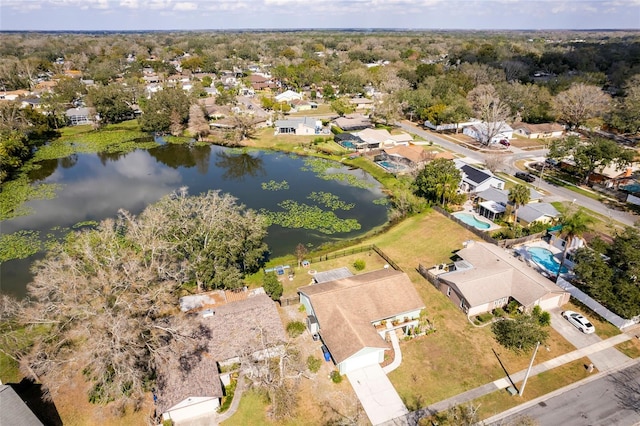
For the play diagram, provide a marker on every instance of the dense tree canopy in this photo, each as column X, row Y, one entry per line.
column 439, row 181
column 613, row 280
column 113, row 291
column 521, row 333
column 166, row 107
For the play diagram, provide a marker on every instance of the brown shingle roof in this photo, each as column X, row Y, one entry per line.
column 236, row 329
column 346, row 308
column 413, row 153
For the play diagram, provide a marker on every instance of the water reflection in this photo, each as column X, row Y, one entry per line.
column 237, row 166
column 95, row 187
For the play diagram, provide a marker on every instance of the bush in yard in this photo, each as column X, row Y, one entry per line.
column 543, row 317
column 359, row 264
column 335, row 376
column 313, row 364
column 272, row 285
column 295, row 328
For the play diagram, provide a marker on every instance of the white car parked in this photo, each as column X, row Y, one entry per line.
column 579, row 322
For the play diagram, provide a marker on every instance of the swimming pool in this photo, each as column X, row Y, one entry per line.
column 348, row 144
column 471, row 220
column 544, row 258
column 391, row 166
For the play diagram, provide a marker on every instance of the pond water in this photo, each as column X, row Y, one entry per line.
column 96, row 186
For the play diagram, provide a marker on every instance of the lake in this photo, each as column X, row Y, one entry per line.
column 96, row 186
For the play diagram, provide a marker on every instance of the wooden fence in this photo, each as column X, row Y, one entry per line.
column 515, row 241
column 356, row 250
column 424, row 271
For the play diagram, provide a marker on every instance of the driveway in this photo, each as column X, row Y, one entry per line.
column 377, row 395
column 605, row 359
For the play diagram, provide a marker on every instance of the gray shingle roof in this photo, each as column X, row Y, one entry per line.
column 14, row 411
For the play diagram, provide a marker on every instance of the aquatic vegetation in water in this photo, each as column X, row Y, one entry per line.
column 381, row 201
column 17, row 192
column 330, row 201
column 272, row 185
column 322, row 169
column 107, row 141
column 19, row 245
column 296, row 215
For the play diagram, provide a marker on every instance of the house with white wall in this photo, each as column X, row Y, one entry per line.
column 482, row 132
column 487, row 277
column 348, row 309
column 476, row 180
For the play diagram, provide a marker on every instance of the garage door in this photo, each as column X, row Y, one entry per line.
column 552, row 302
column 363, row 358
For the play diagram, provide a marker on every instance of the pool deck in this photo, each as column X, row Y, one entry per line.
column 468, row 208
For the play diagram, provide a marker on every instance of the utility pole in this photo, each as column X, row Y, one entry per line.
column 526, row 376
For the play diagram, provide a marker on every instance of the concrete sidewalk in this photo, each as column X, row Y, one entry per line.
column 503, row 383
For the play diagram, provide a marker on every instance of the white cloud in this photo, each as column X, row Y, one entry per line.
column 131, row 4
column 185, row 6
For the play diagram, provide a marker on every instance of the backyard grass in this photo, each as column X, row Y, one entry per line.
column 548, row 381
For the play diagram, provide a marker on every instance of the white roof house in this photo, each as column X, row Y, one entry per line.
column 298, row 126
column 480, row 131
column 288, row 96
column 382, row 138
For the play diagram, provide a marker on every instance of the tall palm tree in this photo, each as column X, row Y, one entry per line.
column 573, row 226
column 519, row 196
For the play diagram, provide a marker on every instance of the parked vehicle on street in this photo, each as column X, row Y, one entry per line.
column 527, row 177
column 579, row 321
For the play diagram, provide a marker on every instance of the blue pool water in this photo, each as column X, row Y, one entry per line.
column 545, row 259
column 348, row 144
column 471, row 220
column 391, row 166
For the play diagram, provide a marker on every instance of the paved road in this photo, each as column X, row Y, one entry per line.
column 557, row 193
column 609, row 400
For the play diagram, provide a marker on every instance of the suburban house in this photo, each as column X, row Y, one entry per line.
column 537, row 212
column 298, row 126
column 302, row 105
column 487, row 277
column 288, row 96
column 611, row 175
column 379, row 138
column 450, row 126
column 14, row 411
column 493, row 202
column 352, row 122
column 475, row 180
column 347, row 311
column 350, row 141
column 481, row 131
column 362, row 103
column 539, row 131
column 412, row 156
column 79, row 116
column 242, row 327
column 261, row 82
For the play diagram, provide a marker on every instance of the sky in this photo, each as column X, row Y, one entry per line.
column 139, row 15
